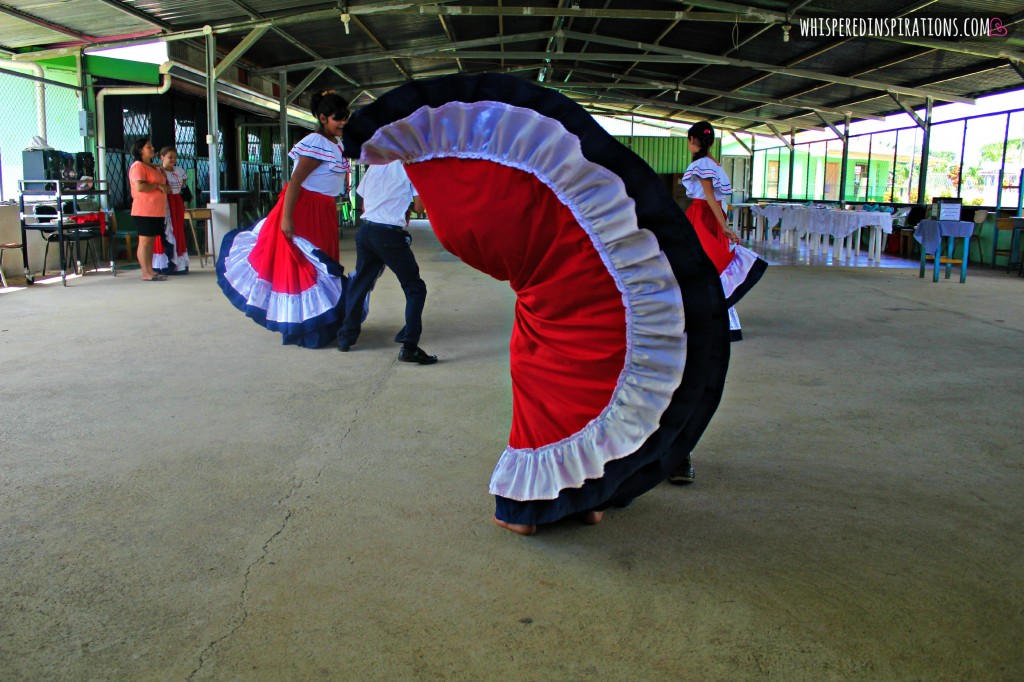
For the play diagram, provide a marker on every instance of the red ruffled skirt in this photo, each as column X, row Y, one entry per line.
column 295, row 287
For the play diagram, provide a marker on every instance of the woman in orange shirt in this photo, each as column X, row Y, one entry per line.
column 149, row 204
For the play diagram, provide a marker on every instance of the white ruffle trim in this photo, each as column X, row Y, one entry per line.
column 708, row 170
column 280, row 307
column 655, row 335
column 736, row 272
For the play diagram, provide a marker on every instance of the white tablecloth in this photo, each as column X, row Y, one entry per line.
column 838, row 224
column 929, row 233
column 772, row 213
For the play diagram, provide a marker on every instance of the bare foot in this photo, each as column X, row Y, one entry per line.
column 522, row 529
column 592, row 518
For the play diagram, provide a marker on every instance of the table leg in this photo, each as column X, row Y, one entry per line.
column 924, row 260
column 949, row 257
column 210, row 241
column 938, row 257
column 79, row 268
column 1015, row 256
column 963, row 263
column 62, row 241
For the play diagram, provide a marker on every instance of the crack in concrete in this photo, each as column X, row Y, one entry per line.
column 375, row 388
column 248, row 570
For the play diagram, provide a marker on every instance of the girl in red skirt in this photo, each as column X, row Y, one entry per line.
column 708, row 186
column 739, row 268
column 170, row 254
column 284, row 272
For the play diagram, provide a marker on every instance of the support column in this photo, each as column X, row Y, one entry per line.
column 846, row 159
column 282, row 91
column 922, row 177
column 213, row 134
column 792, row 160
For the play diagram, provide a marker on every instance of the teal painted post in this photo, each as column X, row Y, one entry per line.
column 963, row 262
column 949, row 257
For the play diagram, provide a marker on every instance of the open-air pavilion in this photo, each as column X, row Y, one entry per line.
column 184, row 498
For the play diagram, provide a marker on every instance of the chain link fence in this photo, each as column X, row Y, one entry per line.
column 20, row 95
column 251, row 162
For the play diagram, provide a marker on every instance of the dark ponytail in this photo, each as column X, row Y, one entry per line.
column 328, row 103
column 704, row 134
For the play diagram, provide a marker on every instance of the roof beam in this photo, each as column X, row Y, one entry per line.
column 369, row 34
column 791, row 11
column 682, row 107
column 780, row 135
column 741, row 142
column 451, row 39
column 604, row 110
column 138, row 14
column 301, row 87
column 501, row 34
column 49, row 25
column 240, row 49
column 575, row 12
column 257, row 16
column 736, row 47
column 667, row 87
column 911, row 112
column 770, row 68
column 962, row 73
column 376, row 56
column 792, row 18
column 970, row 48
column 830, row 126
column 590, row 56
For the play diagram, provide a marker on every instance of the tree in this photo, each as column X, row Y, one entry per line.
column 993, row 151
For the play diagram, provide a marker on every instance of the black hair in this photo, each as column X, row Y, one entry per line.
column 328, row 103
column 704, row 134
column 137, row 146
column 168, row 148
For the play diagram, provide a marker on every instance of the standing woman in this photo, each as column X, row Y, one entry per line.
column 149, row 204
column 172, row 259
column 739, row 268
column 707, row 185
column 284, row 272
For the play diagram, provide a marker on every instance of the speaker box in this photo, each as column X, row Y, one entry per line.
column 47, row 164
column 85, row 164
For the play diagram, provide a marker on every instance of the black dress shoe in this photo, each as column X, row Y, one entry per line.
column 343, row 345
column 684, row 474
column 417, row 355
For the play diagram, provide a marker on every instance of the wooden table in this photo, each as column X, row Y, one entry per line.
column 208, row 249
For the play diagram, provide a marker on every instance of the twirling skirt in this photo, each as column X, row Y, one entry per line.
column 620, row 343
column 295, row 287
column 738, row 267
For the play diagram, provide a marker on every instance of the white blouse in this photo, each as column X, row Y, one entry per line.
column 706, row 169
column 329, row 176
column 175, row 178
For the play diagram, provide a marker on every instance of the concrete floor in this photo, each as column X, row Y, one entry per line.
column 184, row 498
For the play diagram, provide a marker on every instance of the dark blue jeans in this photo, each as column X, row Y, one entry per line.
column 377, row 246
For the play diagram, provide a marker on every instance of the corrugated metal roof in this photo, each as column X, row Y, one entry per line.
column 636, row 57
